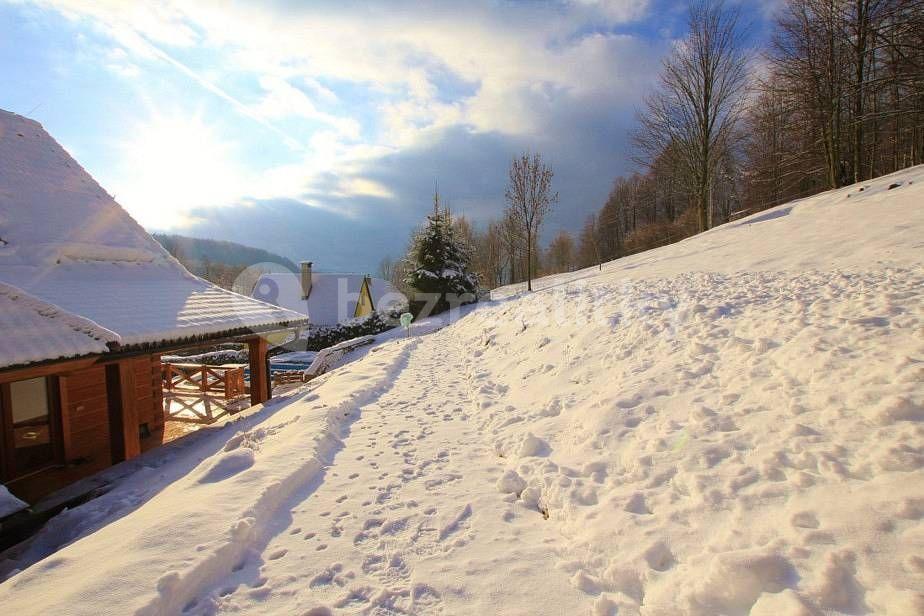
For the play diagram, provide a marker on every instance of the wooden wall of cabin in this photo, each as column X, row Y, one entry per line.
column 87, row 436
column 149, row 391
column 85, row 412
column 85, row 416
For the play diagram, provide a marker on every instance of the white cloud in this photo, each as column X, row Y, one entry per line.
column 282, row 100
column 117, row 60
column 617, row 10
column 401, row 48
column 514, row 66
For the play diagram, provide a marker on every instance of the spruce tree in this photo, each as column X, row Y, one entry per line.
column 439, row 262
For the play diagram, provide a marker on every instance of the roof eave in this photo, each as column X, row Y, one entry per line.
column 239, row 333
column 117, row 351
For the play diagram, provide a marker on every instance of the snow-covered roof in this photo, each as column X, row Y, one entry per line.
column 65, row 240
column 34, row 330
column 332, row 299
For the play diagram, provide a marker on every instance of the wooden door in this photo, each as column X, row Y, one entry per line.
column 31, row 426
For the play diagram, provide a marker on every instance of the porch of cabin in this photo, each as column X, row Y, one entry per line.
column 66, row 421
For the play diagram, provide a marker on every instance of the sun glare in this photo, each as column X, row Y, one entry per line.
column 174, row 165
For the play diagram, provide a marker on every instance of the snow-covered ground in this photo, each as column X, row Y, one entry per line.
column 730, row 425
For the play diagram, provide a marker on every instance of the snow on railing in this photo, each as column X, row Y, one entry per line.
column 326, row 358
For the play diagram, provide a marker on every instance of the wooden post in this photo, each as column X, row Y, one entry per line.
column 259, row 377
column 123, row 410
column 64, row 406
column 269, row 379
column 129, row 409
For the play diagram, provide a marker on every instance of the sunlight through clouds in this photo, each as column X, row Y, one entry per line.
column 173, row 164
column 356, row 108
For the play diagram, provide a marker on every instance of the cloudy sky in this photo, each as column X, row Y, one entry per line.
column 318, row 129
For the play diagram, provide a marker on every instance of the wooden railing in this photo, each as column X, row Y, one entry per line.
column 192, row 390
column 229, row 381
column 201, row 393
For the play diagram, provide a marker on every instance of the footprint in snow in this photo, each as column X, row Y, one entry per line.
column 804, row 519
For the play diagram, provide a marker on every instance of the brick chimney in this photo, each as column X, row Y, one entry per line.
column 306, row 279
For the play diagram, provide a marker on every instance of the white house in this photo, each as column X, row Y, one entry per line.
column 328, row 299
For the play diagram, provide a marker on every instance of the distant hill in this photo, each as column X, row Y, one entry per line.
column 199, row 250
column 220, row 261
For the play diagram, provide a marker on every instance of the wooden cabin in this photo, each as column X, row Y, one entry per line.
column 327, row 298
column 88, row 303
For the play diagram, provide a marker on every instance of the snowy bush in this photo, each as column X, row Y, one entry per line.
column 322, row 336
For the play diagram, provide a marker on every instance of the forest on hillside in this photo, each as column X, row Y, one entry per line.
column 834, row 97
column 219, row 261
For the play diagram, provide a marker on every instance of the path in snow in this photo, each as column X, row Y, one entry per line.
column 414, row 482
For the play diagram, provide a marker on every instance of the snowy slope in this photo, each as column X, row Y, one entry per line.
column 848, row 227
column 730, row 425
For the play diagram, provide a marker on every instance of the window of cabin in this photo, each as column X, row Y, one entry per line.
column 29, row 419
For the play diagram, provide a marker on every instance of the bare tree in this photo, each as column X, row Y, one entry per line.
column 588, row 252
column 840, row 99
column 513, row 242
column 694, row 112
column 386, row 268
column 488, row 255
column 809, row 60
column 843, row 99
column 560, row 256
column 394, row 272
column 529, row 198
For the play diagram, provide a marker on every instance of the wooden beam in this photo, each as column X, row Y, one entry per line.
column 269, row 379
column 47, row 369
column 130, row 432
column 259, row 374
column 64, row 405
column 7, row 465
column 114, row 408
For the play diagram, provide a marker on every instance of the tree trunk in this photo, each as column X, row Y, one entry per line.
column 703, row 208
column 529, row 261
column 862, row 17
